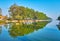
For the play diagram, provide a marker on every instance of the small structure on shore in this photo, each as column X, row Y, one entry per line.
column 2, row 17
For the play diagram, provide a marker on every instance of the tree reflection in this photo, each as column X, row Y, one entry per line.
column 1, row 24
column 0, row 29
column 21, row 29
column 6, row 26
column 58, row 26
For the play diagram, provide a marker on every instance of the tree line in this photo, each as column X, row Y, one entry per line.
column 58, row 18
column 21, row 12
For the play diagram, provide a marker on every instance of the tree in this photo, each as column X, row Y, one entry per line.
column 0, row 12
column 16, row 12
column 20, row 12
column 59, row 18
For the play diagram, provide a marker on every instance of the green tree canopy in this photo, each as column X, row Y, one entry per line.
column 59, row 18
column 20, row 12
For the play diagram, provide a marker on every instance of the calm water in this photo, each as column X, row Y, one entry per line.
column 38, row 31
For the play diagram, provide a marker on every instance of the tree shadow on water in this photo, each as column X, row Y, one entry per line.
column 58, row 25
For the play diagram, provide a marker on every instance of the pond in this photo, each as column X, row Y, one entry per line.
column 36, row 31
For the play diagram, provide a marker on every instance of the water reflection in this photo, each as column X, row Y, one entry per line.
column 30, row 32
column 58, row 25
column 0, row 29
column 6, row 26
column 1, row 25
column 21, row 29
column 45, row 34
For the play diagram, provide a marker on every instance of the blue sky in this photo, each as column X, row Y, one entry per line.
column 50, row 7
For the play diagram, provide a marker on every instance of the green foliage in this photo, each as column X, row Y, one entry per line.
column 20, row 12
column 59, row 18
column 20, row 29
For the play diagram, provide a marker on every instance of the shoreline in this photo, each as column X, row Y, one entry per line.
column 26, row 20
